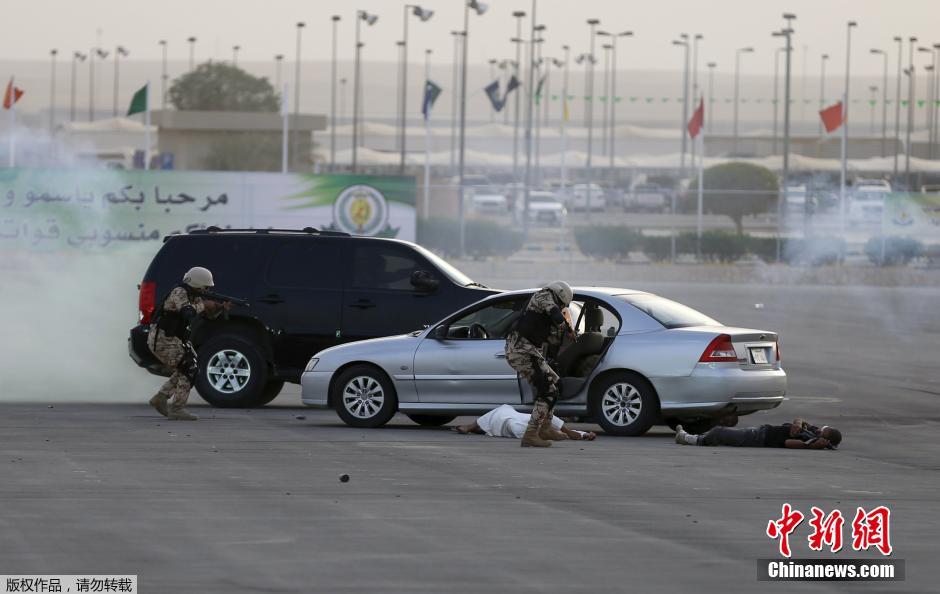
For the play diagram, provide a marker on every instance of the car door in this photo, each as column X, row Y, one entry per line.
column 300, row 297
column 380, row 300
column 468, row 366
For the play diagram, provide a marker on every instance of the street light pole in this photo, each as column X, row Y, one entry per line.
column 99, row 53
column 564, row 122
column 685, row 102
column 613, row 105
column 590, row 107
column 370, row 19
column 845, row 127
column 884, row 102
column 897, row 108
column 119, row 51
column 871, row 103
column 479, row 8
column 936, row 100
column 455, row 98
column 296, row 147
column 163, row 75
column 788, row 32
column 822, row 88
column 605, row 141
column 76, row 57
column 278, row 62
column 711, row 100
column 192, row 53
column 335, row 18
column 910, row 111
column 518, row 15
column 424, row 15
column 930, row 97
column 235, row 49
column 776, row 95
column 52, row 53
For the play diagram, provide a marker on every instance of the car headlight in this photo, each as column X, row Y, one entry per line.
column 311, row 364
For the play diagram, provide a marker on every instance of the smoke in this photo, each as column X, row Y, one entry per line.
column 65, row 312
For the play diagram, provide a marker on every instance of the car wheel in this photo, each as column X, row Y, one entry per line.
column 270, row 392
column 431, row 420
column 232, row 373
column 624, row 403
column 364, row 397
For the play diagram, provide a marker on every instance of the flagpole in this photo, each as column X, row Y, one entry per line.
column 284, row 128
column 13, row 131
column 427, row 136
column 845, row 137
column 146, row 128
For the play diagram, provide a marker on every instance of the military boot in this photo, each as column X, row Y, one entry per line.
column 547, row 431
column 177, row 413
column 531, row 439
column 159, row 402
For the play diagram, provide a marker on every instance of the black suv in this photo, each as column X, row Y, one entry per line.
column 307, row 290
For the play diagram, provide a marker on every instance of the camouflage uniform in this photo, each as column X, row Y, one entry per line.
column 529, row 360
column 170, row 349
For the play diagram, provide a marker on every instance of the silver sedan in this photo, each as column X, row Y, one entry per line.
column 639, row 359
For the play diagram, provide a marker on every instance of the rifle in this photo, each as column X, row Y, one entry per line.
column 220, row 298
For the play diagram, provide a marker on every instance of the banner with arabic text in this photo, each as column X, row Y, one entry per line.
column 54, row 210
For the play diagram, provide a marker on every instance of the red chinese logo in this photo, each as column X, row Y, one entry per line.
column 826, row 530
column 872, row 529
column 785, row 526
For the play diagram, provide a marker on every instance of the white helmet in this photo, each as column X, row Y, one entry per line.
column 198, row 277
column 562, row 291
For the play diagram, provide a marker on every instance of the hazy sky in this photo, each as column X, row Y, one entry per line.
column 263, row 29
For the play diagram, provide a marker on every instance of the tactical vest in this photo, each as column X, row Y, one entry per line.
column 175, row 323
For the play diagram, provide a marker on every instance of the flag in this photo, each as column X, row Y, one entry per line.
column 538, row 90
column 512, row 85
column 138, row 102
column 832, row 117
column 698, row 119
column 431, row 93
column 12, row 95
column 492, row 91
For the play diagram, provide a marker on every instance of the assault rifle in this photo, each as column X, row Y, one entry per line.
column 220, row 298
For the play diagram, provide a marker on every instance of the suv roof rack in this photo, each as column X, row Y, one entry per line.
column 304, row 231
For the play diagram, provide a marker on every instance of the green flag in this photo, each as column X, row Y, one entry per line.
column 138, row 102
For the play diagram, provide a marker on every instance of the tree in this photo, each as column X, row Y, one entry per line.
column 739, row 189
column 216, row 86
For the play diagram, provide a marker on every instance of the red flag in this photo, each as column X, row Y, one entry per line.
column 12, row 95
column 832, row 117
column 698, row 119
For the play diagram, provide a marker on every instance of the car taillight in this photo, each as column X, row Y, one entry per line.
column 719, row 349
column 148, row 301
column 777, row 348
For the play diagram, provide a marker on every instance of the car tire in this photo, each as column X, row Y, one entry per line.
column 431, row 420
column 363, row 396
column 232, row 373
column 270, row 392
column 624, row 403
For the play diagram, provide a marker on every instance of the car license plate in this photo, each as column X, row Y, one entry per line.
column 759, row 356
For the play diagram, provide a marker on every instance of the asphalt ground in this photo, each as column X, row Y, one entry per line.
column 252, row 501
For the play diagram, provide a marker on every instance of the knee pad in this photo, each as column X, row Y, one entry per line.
column 187, row 365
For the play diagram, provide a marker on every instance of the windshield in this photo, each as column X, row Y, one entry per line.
column 669, row 313
column 452, row 273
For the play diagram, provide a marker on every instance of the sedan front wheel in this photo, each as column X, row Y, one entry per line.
column 364, row 397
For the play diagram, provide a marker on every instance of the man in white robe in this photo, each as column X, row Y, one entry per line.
column 505, row 421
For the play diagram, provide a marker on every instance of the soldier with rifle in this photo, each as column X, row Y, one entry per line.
column 168, row 338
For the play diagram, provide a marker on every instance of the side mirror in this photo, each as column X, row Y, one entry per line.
column 440, row 333
column 423, row 280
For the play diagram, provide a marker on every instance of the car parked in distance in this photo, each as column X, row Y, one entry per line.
column 639, row 359
column 578, row 197
column 307, row 290
column 647, row 198
column 544, row 208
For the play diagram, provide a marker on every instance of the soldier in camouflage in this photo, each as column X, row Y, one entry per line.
column 168, row 339
column 541, row 327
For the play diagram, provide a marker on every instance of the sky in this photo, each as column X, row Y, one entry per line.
column 264, row 29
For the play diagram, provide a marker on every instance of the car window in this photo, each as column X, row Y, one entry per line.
column 492, row 322
column 384, row 266
column 579, row 315
column 668, row 313
column 234, row 261
column 308, row 264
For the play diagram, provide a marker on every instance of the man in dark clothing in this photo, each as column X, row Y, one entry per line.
column 796, row 435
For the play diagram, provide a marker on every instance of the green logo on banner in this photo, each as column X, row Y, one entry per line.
column 361, row 210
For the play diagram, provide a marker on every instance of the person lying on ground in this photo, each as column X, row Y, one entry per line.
column 798, row 435
column 505, row 421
